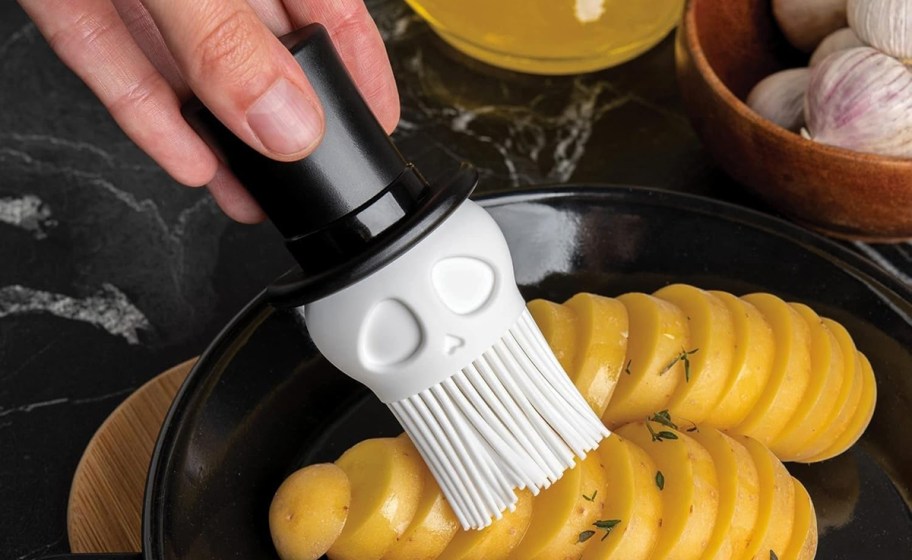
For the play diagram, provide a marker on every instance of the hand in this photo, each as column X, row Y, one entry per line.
column 142, row 58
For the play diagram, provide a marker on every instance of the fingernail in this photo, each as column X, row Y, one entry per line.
column 284, row 120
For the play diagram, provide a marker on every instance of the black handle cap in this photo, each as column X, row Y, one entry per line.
column 354, row 203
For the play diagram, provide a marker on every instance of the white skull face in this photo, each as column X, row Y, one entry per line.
column 426, row 315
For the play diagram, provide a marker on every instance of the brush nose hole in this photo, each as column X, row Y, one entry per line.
column 390, row 335
column 463, row 284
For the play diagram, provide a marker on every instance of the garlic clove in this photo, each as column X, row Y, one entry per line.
column 836, row 41
column 884, row 24
column 861, row 99
column 806, row 22
column 780, row 97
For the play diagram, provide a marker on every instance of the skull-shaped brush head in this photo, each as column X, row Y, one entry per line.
column 408, row 287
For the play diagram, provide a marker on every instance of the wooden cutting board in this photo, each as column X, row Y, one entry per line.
column 105, row 509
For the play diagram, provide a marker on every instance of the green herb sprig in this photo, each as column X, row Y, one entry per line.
column 604, row 524
column 660, row 436
column 684, row 356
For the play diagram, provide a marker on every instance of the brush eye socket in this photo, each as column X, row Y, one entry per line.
column 464, row 284
column 390, row 335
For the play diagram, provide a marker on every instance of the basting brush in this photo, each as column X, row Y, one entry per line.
column 407, row 286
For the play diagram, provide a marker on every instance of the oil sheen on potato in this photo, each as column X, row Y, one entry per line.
column 551, row 36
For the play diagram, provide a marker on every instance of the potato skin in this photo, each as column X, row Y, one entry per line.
column 308, row 511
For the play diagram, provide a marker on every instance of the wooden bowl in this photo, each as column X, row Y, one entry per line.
column 723, row 49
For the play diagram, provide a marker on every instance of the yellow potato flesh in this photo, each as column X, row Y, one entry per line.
column 712, row 338
column 738, row 485
column 386, row 480
column 690, row 498
column 658, row 335
column 433, row 525
column 827, row 373
column 497, row 540
column 556, row 322
column 790, row 373
column 751, row 364
column 631, row 496
column 601, row 340
column 849, row 394
column 561, row 512
column 308, row 511
column 860, row 419
column 776, row 503
column 803, row 544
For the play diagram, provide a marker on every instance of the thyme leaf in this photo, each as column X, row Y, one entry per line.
column 660, row 436
column 607, row 525
column 592, row 497
column 684, row 356
column 660, row 480
column 664, row 418
column 585, row 536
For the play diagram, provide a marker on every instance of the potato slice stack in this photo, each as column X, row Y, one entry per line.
column 706, row 393
column 753, row 365
column 651, row 491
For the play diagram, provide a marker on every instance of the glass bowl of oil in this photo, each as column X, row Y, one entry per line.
column 551, row 36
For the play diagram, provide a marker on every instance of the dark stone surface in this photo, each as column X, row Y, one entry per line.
column 111, row 273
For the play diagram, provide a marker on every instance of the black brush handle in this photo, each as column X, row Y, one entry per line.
column 354, row 203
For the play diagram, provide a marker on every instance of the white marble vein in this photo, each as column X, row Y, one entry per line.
column 25, row 140
column 27, row 212
column 27, row 31
column 174, row 233
column 25, row 408
column 109, row 309
column 525, row 147
column 40, row 551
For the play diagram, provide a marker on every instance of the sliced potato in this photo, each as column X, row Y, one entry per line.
column 632, row 498
column 690, row 495
column 849, row 394
column 562, row 511
column 433, row 525
column 556, row 322
column 308, row 511
column 386, row 481
column 751, row 365
column 738, row 485
column 860, row 419
column 497, row 540
column 601, row 347
column 824, row 385
column 791, row 371
column 803, row 544
column 712, row 339
column 776, row 504
column 658, row 336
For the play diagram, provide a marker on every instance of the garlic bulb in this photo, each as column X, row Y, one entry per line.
column 806, row 22
column 840, row 40
column 780, row 97
column 884, row 24
column 861, row 99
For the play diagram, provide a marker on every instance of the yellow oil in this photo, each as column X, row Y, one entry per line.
column 551, row 36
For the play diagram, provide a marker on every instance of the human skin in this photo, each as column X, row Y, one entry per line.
column 143, row 58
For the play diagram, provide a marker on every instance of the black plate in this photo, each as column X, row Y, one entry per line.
column 262, row 402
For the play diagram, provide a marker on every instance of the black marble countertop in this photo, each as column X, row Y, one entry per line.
column 111, row 273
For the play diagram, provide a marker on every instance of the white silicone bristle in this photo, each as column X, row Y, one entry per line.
column 510, row 420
